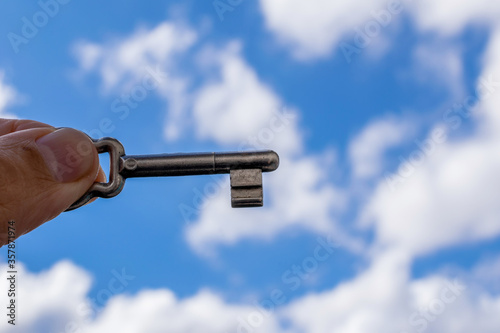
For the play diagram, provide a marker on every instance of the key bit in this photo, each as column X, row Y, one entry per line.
column 245, row 169
column 246, row 188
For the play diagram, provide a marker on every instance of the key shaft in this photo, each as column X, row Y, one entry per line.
column 166, row 165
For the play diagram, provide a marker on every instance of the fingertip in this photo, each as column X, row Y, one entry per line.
column 69, row 154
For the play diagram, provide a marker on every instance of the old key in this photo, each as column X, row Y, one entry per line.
column 245, row 169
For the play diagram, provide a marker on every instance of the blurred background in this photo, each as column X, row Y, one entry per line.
column 384, row 213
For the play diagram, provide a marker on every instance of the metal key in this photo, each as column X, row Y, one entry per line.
column 245, row 169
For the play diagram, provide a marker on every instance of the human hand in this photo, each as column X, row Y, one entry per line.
column 43, row 170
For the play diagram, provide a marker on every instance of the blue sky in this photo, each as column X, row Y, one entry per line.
column 362, row 100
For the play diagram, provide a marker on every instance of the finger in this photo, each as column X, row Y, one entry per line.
column 42, row 171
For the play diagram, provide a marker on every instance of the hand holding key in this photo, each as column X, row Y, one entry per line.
column 44, row 170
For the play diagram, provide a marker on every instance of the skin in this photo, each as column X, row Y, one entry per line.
column 32, row 193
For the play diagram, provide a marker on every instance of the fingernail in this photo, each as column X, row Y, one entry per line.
column 68, row 153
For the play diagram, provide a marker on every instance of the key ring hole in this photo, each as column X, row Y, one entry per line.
column 105, row 163
column 115, row 181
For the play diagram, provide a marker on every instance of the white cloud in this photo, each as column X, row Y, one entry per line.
column 448, row 17
column 123, row 61
column 381, row 298
column 490, row 117
column 56, row 301
column 367, row 149
column 313, row 28
column 8, row 97
column 298, row 195
column 359, row 305
column 456, row 188
column 235, row 107
column 384, row 299
column 148, row 58
column 160, row 311
column 453, row 193
column 45, row 301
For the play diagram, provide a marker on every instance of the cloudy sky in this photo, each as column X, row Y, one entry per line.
column 384, row 213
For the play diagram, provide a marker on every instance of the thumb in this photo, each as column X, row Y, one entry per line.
column 42, row 171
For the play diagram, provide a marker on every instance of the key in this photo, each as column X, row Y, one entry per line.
column 245, row 169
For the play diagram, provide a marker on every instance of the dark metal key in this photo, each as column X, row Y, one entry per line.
column 245, row 169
